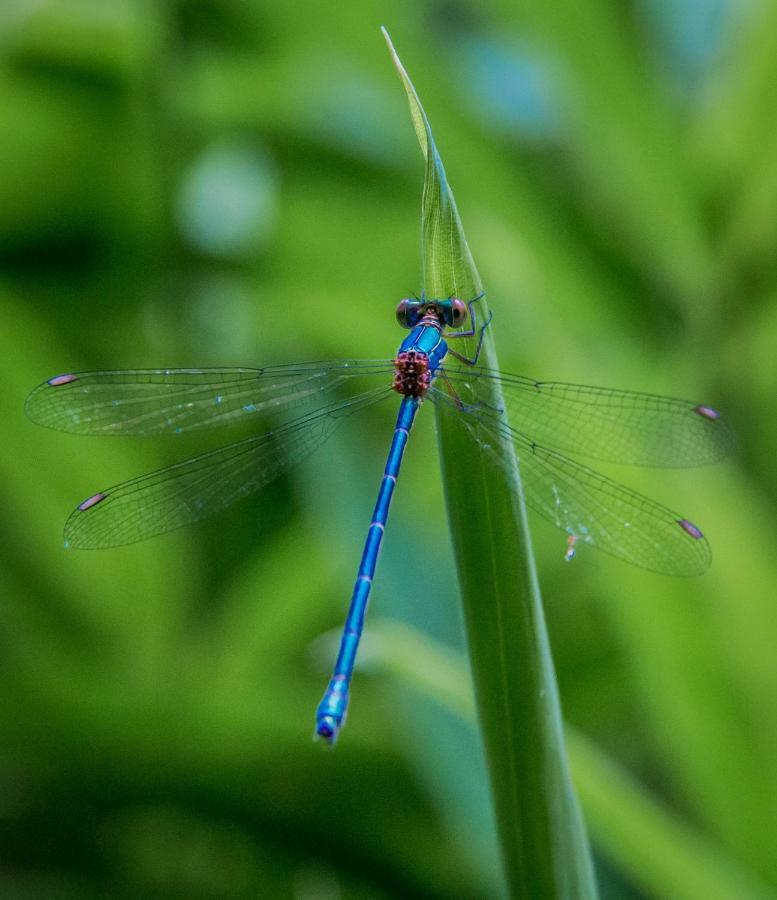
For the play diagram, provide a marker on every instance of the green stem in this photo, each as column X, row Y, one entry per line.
column 543, row 841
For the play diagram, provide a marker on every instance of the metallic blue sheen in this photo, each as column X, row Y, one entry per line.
column 428, row 340
column 332, row 710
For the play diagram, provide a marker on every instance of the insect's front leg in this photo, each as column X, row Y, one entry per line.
column 474, row 329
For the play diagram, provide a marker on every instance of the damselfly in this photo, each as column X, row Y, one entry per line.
column 533, row 424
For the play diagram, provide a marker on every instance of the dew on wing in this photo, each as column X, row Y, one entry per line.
column 690, row 528
column 59, row 380
column 707, row 412
column 91, row 501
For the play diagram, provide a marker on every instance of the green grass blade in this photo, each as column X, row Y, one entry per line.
column 657, row 850
column 543, row 841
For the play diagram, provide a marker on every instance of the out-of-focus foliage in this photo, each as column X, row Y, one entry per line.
column 236, row 183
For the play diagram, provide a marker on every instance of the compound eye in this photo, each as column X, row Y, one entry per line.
column 403, row 310
column 458, row 311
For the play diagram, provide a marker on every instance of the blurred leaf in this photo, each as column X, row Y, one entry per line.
column 96, row 43
column 624, row 141
column 661, row 853
column 736, row 140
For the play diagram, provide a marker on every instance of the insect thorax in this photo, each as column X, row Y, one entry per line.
column 412, row 373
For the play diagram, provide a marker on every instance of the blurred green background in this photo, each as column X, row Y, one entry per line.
column 234, row 182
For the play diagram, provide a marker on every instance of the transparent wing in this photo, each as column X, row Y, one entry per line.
column 189, row 491
column 153, row 401
column 601, row 423
column 589, row 507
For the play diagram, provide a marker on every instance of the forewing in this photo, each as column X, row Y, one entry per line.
column 602, row 423
column 154, row 401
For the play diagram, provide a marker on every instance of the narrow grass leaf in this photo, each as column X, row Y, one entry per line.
column 543, row 841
